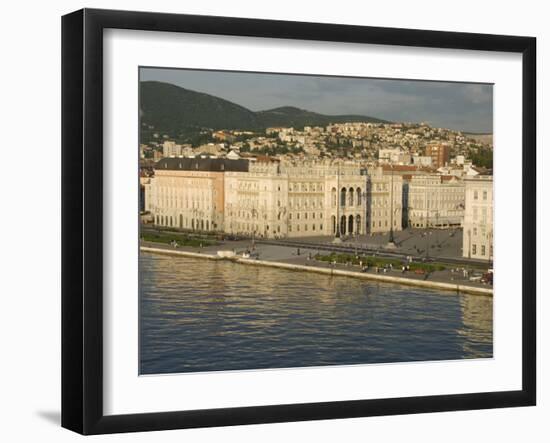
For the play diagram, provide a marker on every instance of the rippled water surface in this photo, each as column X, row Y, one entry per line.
column 202, row 315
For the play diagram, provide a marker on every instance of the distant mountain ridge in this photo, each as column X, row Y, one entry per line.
column 169, row 108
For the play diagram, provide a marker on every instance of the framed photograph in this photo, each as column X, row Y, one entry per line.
column 269, row 221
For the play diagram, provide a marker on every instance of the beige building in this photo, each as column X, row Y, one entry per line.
column 478, row 218
column 271, row 199
column 383, row 187
column 287, row 200
column 435, row 201
column 256, row 201
column 188, row 193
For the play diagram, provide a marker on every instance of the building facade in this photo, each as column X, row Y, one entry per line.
column 435, row 201
column 384, row 201
column 188, row 193
column 439, row 153
column 286, row 200
column 269, row 199
column 478, row 218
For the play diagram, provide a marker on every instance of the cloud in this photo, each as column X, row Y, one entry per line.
column 462, row 106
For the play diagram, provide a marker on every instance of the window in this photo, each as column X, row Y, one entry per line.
column 482, row 249
column 474, row 249
column 484, row 195
column 475, row 195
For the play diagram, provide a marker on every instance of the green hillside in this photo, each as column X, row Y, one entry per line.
column 180, row 113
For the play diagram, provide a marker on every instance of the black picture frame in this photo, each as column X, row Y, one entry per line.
column 82, row 218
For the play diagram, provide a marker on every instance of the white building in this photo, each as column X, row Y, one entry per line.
column 395, row 156
column 422, row 160
column 478, row 218
column 435, row 201
column 171, row 149
column 384, row 201
column 272, row 199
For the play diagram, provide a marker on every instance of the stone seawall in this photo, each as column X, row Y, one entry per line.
column 330, row 271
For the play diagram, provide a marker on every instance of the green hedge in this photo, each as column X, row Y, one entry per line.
column 380, row 262
column 182, row 240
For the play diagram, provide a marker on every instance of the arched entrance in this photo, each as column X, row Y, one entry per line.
column 350, row 224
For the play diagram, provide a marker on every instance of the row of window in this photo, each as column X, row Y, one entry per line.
column 298, row 203
column 482, row 250
column 305, row 215
column 305, row 228
column 305, row 187
column 181, row 222
column 476, row 195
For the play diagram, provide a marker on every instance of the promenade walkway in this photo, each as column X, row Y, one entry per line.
column 304, row 257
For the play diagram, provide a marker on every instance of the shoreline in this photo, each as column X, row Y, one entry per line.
column 452, row 287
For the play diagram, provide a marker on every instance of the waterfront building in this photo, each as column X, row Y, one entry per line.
column 296, row 200
column 272, row 199
column 255, row 201
column 384, row 200
column 188, row 193
column 478, row 218
column 435, row 201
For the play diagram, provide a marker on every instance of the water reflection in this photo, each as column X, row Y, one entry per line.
column 201, row 315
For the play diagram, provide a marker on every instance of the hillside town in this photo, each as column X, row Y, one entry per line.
column 339, row 181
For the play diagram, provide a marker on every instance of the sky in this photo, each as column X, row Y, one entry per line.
column 465, row 107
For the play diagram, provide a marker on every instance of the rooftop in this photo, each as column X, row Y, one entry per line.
column 202, row 164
